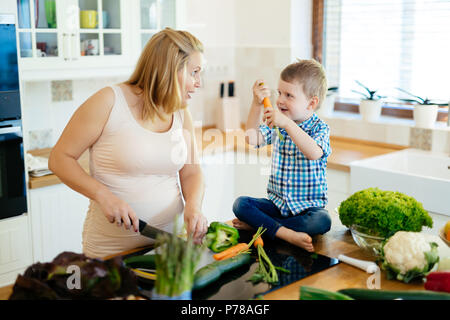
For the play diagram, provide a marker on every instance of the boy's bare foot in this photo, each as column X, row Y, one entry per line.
column 300, row 239
column 238, row 224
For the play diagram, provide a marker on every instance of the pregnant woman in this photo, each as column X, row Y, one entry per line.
column 142, row 154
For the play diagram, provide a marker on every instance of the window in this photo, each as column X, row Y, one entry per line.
column 388, row 44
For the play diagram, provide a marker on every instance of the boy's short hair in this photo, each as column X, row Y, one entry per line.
column 311, row 75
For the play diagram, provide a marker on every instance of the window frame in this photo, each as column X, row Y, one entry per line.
column 396, row 110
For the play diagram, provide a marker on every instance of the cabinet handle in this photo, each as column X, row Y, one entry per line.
column 73, row 51
column 9, row 130
column 66, row 47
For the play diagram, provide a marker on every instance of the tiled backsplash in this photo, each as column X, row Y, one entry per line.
column 420, row 138
column 62, row 90
column 40, row 139
column 243, row 65
column 47, row 107
column 390, row 130
column 253, row 63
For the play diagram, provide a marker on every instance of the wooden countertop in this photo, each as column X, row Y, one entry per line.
column 212, row 141
column 51, row 179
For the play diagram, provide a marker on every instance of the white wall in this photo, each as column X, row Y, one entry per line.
column 211, row 21
column 8, row 6
column 263, row 23
column 301, row 29
column 269, row 36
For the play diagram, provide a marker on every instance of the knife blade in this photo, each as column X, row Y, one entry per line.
column 149, row 231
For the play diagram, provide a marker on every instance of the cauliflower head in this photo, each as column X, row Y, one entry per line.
column 409, row 255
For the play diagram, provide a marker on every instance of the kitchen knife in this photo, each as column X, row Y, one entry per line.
column 149, row 231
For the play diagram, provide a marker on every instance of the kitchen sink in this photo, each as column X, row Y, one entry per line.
column 424, row 175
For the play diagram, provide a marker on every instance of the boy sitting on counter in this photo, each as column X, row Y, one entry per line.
column 297, row 188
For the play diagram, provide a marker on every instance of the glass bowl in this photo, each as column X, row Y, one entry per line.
column 369, row 243
column 442, row 235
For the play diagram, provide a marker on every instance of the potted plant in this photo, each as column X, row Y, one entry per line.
column 425, row 111
column 327, row 107
column 370, row 105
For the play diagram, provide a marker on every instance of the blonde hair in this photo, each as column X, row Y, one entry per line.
column 156, row 72
column 311, row 75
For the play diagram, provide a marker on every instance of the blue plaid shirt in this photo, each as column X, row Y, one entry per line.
column 297, row 183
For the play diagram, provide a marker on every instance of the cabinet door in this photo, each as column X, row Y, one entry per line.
column 338, row 188
column 219, row 187
column 76, row 36
column 154, row 16
column 102, row 27
column 252, row 174
column 38, row 29
column 57, row 216
column 15, row 248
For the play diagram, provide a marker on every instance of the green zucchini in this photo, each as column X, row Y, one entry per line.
column 311, row 293
column 211, row 272
column 146, row 261
column 377, row 294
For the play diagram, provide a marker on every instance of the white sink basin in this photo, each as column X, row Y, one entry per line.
column 423, row 175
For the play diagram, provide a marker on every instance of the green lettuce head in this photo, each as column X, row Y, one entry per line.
column 384, row 212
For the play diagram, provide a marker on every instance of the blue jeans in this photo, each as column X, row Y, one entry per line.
column 263, row 212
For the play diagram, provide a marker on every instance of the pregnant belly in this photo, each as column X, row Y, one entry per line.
column 157, row 202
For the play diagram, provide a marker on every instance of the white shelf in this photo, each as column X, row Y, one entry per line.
column 74, row 74
column 439, row 125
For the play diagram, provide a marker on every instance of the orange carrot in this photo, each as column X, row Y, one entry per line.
column 267, row 103
column 258, row 241
column 266, row 100
column 239, row 248
column 232, row 251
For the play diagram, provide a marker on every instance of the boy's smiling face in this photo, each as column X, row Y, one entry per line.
column 293, row 102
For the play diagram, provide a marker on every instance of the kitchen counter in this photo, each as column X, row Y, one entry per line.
column 210, row 141
column 337, row 241
column 51, row 179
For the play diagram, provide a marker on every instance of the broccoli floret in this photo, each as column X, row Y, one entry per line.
column 384, row 212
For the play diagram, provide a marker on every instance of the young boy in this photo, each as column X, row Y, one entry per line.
column 297, row 188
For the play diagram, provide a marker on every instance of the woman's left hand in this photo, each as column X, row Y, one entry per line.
column 196, row 224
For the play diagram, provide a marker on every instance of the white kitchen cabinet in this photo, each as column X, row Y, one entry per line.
column 219, row 187
column 230, row 175
column 338, row 188
column 57, row 215
column 85, row 38
column 15, row 248
column 155, row 15
column 252, row 175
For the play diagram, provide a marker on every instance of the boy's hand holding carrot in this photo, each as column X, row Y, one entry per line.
column 275, row 118
column 260, row 91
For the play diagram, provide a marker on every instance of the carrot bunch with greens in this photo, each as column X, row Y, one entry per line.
column 266, row 271
column 239, row 248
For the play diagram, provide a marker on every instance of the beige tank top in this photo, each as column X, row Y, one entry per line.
column 140, row 167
